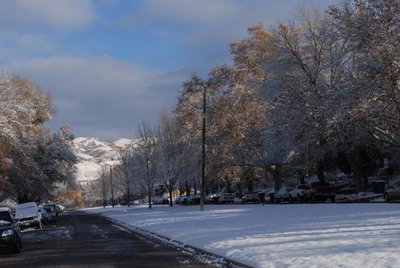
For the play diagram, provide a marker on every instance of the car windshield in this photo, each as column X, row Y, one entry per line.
column 22, row 210
column 5, row 218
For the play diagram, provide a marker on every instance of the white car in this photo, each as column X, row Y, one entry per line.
column 226, row 198
column 251, row 197
column 297, row 194
column 28, row 215
column 282, row 195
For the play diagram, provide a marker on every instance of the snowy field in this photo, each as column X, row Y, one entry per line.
column 297, row 235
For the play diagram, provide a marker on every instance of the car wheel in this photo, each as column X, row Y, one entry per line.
column 313, row 199
column 16, row 246
column 299, row 198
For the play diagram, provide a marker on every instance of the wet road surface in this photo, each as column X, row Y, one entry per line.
column 78, row 239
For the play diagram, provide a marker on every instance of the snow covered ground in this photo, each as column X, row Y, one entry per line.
column 285, row 235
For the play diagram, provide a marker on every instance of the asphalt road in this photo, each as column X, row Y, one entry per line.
column 77, row 239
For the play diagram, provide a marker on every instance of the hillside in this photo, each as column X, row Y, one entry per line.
column 94, row 154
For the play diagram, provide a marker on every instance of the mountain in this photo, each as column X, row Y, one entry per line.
column 94, row 155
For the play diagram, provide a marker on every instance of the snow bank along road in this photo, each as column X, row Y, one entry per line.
column 81, row 240
column 300, row 235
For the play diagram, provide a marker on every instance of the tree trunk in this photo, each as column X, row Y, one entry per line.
column 365, row 181
column 187, row 188
column 302, row 180
column 128, row 195
column 275, row 170
column 353, row 160
column 170, row 196
column 277, row 176
column 149, row 194
column 320, row 172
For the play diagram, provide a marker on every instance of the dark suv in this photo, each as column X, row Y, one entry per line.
column 10, row 231
column 320, row 192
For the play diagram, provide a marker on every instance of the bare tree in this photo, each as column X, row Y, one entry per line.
column 145, row 158
column 125, row 172
column 173, row 154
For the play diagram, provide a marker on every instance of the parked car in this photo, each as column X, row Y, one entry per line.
column 160, row 200
column 212, row 198
column 51, row 209
column 181, row 200
column 297, row 194
column 320, row 192
column 392, row 193
column 346, row 194
column 282, row 195
column 46, row 217
column 193, row 199
column 226, row 198
column 60, row 208
column 28, row 215
column 251, row 197
column 10, row 231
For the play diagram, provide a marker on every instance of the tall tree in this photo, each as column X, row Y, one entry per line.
column 23, row 110
column 374, row 35
column 145, row 158
column 306, row 81
column 125, row 171
column 173, row 154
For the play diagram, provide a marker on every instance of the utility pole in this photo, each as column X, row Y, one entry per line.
column 103, row 176
column 203, row 152
column 112, row 188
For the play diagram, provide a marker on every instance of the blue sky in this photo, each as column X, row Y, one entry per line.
column 112, row 63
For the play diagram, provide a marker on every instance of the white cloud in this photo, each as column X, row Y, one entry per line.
column 66, row 14
column 105, row 97
column 210, row 25
column 101, row 96
column 205, row 11
column 17, row 45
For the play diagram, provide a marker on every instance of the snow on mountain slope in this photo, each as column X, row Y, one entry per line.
column 123, row 143
column 94, row 154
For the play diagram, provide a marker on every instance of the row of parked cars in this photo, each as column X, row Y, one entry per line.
column 25, row 215
column 31, row 215
column 319, row 191
column 221, row 198
column 315, row 192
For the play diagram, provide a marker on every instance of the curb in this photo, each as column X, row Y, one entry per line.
column 201, row 254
